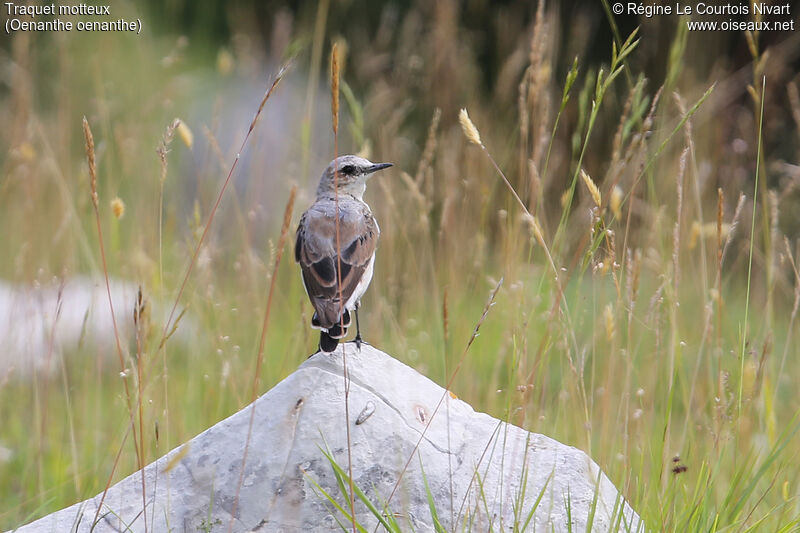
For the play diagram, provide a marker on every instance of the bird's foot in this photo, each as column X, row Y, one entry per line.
column 359, row 341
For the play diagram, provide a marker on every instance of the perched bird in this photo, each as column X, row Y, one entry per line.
column 323, row 269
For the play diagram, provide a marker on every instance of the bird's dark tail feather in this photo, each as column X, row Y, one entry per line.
column 327, row 343
column 328, row 340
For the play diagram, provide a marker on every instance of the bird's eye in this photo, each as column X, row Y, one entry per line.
column 348, row 169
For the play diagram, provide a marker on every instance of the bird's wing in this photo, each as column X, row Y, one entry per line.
column 315, row 250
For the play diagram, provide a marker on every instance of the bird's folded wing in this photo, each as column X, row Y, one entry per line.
column 315, row 250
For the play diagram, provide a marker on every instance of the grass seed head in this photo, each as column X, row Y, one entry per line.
column 615, row 202
column 184, row 133
column 225, row 61
column 608, row 316
column 536, row 228
column 118, row 207
column 335, row 86
column 87, row 133
column 593, row 190
column 470, row 131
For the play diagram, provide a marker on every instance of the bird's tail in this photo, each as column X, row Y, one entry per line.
column 329, row 339
column 327, row 342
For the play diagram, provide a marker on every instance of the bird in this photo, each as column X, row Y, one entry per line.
column 322, row 268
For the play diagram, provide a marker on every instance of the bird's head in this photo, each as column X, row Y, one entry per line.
column 350, row 173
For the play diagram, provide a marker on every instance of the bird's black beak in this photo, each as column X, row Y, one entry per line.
column 378, row 166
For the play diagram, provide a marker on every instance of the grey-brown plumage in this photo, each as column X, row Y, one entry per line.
column 315, row 248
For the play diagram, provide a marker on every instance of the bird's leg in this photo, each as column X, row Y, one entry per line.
column 358, row 338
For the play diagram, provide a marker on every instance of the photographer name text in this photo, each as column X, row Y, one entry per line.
column 755, row 16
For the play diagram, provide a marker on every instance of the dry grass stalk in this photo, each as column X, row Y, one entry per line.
column 698, row 201
column 90, row 156
column 610, row 264
column 772, row 204
column 215, row 147
column 673, row 309
column 649, row 119
column 688, row 132
column 536, row 229
column 734, row 224
column 647, row 124
column 287, row 219
column 524, row 119
column 489, row 304
column 616, row 145
column 210, row 219
column 278, row 77
column 718, row 281
column 451, row 194
column 169, row 325
column 162, row 151
column 414, row 189
column 335, row 87
column 795, row 306
column 720, row 217
column 430, row 147
column 634, row 263
column 471, row 133
column 163, row 147
column 535, row 187
column 559, row 303
column 139, row 321
column 539, row 73
column 87, row 133
column 676, row 234
column 335, row 123
column 446, row 315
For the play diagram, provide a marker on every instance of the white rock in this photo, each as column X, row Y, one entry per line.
column 481, row 471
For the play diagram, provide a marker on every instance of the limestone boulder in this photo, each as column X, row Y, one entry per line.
column 406, row 433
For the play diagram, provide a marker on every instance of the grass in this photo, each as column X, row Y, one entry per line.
column 631, row 322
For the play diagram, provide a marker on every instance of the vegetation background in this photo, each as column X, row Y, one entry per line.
column 662, row 338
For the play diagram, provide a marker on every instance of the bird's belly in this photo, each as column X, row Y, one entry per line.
column 361, row 288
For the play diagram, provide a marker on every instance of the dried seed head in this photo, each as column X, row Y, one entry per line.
column 615, row 202
column 87, row 133
column 608, row 316
column 535, row 227
column 593, row 190
column 185, row 133
column 27, row 152
column 694, row 234
column 335, row 87
column 564, row 197
column 470, row 131
column 118, row 207
column 705, row 231
column 225, row 61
